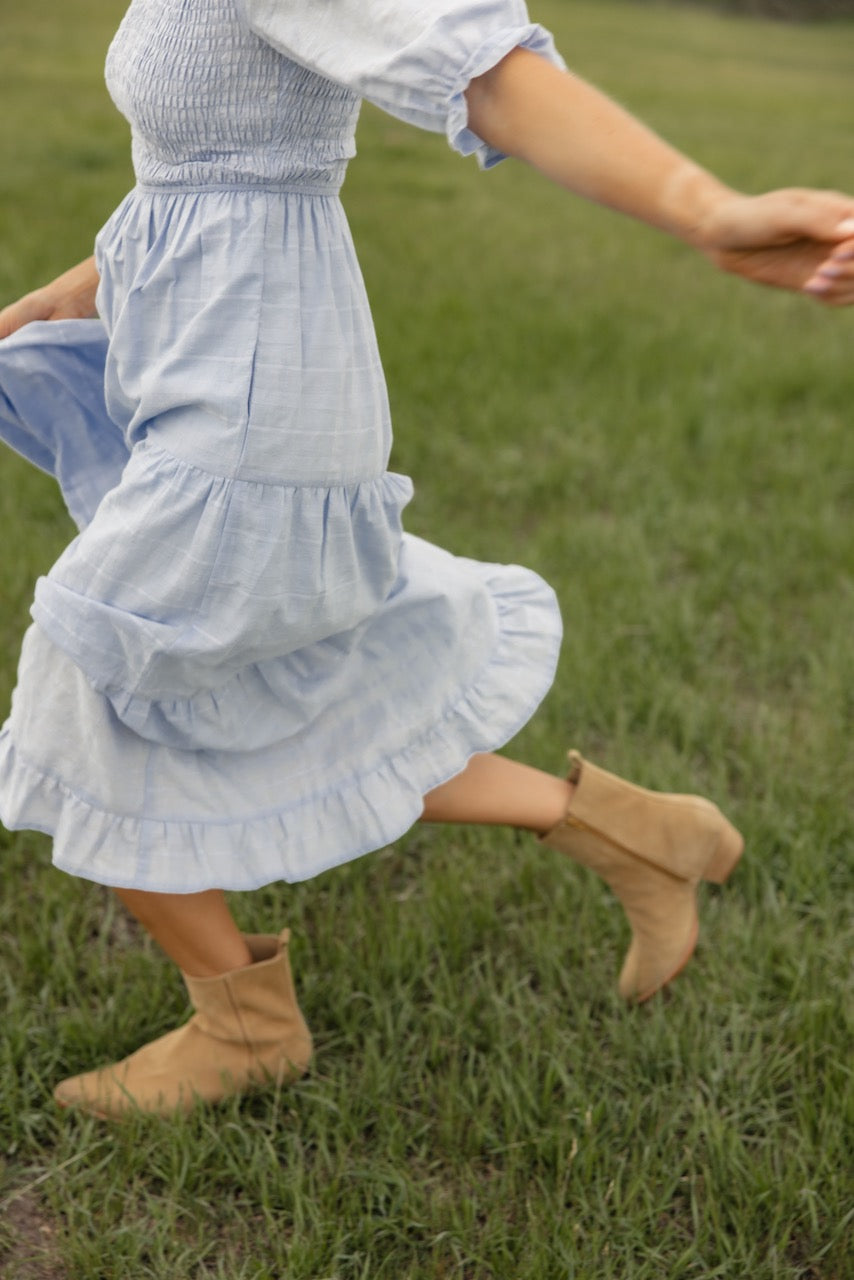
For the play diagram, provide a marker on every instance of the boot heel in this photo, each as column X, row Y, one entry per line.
column 726, row 855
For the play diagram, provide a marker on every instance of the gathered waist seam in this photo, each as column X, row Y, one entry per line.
column 151, row 449
column 287, row 187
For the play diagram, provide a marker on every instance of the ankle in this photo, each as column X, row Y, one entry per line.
column 554, row 807
column 212, row 963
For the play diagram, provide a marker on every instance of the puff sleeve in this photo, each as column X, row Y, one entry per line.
column 412, row 58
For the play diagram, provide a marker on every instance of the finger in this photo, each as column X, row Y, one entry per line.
column 828, row 216
column 833, row 279
column 834, row 298
column 846, row 229
column 837, row 290
column 843, row 252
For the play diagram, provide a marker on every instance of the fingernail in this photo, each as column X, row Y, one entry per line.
column 817, row 285
column 830, row 272
column 846, row 228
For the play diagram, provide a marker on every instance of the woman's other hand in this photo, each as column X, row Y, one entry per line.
column 70, row 296
column 790, row 239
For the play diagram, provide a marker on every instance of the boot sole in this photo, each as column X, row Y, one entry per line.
column 86, row 1111
column 288, row 1073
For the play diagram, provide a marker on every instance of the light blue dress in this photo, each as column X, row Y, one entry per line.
column 242, row 670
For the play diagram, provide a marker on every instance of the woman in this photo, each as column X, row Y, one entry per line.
column 242, row 670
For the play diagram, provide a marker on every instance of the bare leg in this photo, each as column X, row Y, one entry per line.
column 196, row 930
column 198, row 933
column 500, row 792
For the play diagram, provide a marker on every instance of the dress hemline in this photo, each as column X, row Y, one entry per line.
column 376, row 807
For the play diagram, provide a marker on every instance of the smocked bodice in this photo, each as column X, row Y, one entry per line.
column 211, row 104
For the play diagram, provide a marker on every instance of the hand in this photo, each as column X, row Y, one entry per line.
column 70, row 297
column 792, row 239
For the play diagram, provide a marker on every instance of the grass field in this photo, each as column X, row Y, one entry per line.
column 673, row 451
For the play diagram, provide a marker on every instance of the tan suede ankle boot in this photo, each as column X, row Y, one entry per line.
column 247, row 1029
column 651, row 848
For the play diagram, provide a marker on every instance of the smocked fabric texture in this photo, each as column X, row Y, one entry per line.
column 241, row 669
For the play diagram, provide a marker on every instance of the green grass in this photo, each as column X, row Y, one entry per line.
column 673, row 451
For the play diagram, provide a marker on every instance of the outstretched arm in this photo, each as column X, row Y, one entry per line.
column 70, row 296
column 579, row 138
